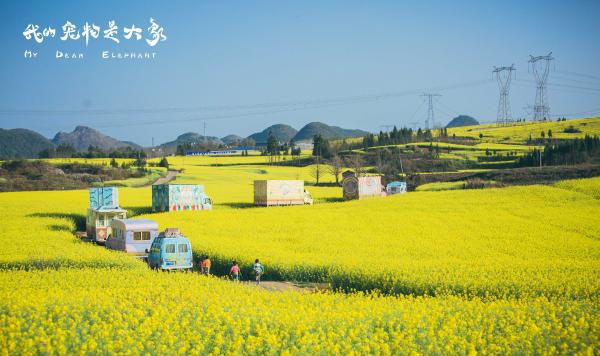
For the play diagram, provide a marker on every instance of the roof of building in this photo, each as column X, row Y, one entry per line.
column 138, row 223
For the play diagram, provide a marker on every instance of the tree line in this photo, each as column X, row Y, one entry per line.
column 575, row 151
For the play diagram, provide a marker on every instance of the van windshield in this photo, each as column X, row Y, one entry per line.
column 170, row 248
column 183, row 248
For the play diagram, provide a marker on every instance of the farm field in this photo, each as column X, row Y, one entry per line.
column 527, row 284
column 519, row 134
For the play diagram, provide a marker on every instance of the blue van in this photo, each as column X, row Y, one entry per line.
column 170, row 250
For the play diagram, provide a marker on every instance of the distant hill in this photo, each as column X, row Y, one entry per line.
column 283, row 133
column 462, row 120
column 229, row 139
column 83, row 137
column 192, row 137
column 328, row 132
column 22, row 143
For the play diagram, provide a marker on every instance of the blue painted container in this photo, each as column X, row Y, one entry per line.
column 178, row 197
column 104, row 197
column 170, row 250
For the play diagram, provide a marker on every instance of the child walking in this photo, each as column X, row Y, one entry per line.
column 205, row 266
column 258, row 270
column 234, row 271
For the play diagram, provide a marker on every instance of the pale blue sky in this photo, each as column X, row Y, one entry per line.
column 246, row 53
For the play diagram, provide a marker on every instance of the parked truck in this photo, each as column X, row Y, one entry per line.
column 177, row 197
column 362, row 187
column 396, row 188
column 280, row 192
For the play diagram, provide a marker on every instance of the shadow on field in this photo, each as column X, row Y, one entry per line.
column 78, row 219
column 331, row 200
column 61, row 263
column 59, row 227
column 238, row 205
column 138, row 210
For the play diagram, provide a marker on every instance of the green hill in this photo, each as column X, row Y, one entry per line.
column 22, row 143
column 328, row 132
column 462, row 120
column 283, row 133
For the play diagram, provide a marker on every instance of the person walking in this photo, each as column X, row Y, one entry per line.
column 259, row 269
column 205, row 266
column 234, row 272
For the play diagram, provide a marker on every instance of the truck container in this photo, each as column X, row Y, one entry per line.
column 133, row 236
column 395, row 188
column 104, row 197
column 362, row 187
column 178, row 197
column 280, row 192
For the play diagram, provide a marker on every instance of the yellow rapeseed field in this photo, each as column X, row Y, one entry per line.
column 520, row 133
column 511, row 270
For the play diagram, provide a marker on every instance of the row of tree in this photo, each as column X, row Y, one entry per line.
column 579, row 150
column 68, row 151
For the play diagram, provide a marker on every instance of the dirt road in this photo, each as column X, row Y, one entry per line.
column 166, row 179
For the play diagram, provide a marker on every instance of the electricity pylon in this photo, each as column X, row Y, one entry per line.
column 430, row 121
column 540, row 66
column 504, row 76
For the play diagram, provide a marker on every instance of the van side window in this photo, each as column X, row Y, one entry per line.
column 146, row 235
column 137, row 236
column 101, row 220
column 183, row 248
column 170, row 248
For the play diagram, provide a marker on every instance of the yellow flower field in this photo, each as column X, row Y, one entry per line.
column 519, row 133
column 92, row 311
column 512, row 270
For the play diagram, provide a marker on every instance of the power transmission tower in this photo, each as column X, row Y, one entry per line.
column 430, row 121
column 504, row 76
column 540, row 66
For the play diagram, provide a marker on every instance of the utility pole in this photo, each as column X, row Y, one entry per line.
column 504, row 76
column 204, row 132
column 540, row 67
column 430, row 121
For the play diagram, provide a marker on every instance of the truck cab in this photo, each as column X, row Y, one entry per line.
column 308, row 199
column 170, row 250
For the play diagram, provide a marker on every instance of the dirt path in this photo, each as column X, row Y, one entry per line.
column 273, row 286
column 166, row 179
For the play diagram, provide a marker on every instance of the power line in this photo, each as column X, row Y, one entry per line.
column 301, row 103
column 579, row 74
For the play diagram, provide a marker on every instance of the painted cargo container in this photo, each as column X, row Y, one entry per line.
column 362, row 187
column 133, row 236
column 99, row 222
column 104, row 197
column 178, row 197
column 280, row 192
column 396, row 188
